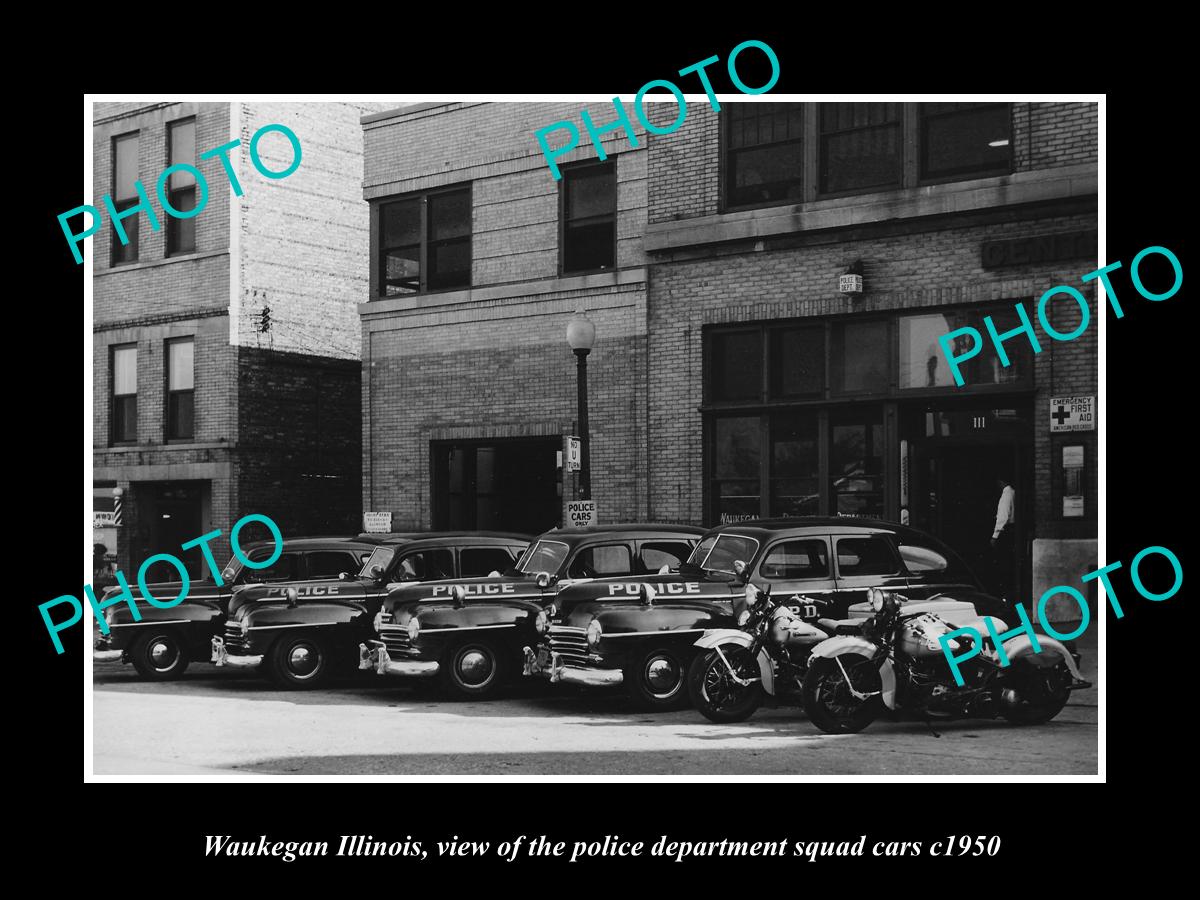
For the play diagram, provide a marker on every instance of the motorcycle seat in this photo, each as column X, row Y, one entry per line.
column 840, row 626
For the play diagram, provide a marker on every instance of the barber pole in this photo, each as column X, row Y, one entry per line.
column 117, row 492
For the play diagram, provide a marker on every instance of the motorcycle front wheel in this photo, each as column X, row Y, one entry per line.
column 1036, row 693
column 827, row 698
column 714, row 691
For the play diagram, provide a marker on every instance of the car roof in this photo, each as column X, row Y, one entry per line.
column 331, row 542
column 495, row 538
column 627, row 529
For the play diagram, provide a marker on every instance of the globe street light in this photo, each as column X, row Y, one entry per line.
column 581, row 335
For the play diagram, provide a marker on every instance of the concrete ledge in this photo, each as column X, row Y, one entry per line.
column 931, row 200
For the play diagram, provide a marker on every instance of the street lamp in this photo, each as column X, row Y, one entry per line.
column 581, row 335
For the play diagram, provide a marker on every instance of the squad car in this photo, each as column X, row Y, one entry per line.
column 471, row 633
column 164, row 641
column 302, row 633
column 640, row 632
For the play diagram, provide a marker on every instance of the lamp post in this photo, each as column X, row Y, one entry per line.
column 581, row 335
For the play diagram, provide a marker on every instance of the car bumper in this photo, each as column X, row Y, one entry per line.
column 107, row 655
column 222, row 657
column 556, row 669
column 376, row 657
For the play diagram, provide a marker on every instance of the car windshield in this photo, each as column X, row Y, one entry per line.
column 719, row 552
column 382, row 557
column 542, row 556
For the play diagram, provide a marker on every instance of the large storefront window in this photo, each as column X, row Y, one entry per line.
column 856, row 463
column 860, row 356
column 795, row 466
column 923, row 363
column 737, row 454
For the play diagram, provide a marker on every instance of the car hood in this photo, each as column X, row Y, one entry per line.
column 306, row 591
column 167, row 591
column 502, row 588
column 669, row 590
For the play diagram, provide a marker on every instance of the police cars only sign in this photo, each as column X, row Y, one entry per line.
column 581, row 513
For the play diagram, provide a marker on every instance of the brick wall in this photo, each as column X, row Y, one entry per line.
column 1049, row 135
column 303, row 239
column 299, row 446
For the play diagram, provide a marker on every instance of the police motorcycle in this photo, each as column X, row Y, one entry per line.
column 896, row 662
column 767, row 654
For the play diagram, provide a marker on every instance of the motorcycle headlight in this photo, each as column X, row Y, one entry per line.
column 542, row 623
column 875, row 599
column 594, row 633
column 751, row 595
column 743, row 618
column 414, row 628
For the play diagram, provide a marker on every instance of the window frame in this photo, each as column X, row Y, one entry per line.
column 821, row 539
column 918, row 143
column 725, row 162
column 820, row 193
column 898, row 568
column 120, row 204
column 176, row 225
column 169, row 394
column 582, row 548
column 113, row 396
column 423, row 253
column 567, row 171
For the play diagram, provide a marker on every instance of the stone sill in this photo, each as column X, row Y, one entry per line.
column 908, row 203
column 154, row 263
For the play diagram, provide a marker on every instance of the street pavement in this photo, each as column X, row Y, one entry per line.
column 224, row 721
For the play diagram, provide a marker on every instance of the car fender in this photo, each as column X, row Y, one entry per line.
column 853, row 643
column 1021, row 647
column 202, row 618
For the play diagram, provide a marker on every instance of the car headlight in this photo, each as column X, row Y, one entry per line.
column 244, row 626
column 414, row 628
column 110, row 615
column 743, row 618
column 552, row 610
column 377, row 623
column 594, row 633
column 542, row 623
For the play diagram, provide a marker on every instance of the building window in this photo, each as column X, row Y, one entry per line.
column 181, row 191
column 795, row 464
column 737, row 445
column 764, row 153
column 180, row 389
column 125, row 173
column 923, row 363
column 860, row 146
column 735, row 365
column 797, row 362
column 961, row 140
column 124, row 394
column 425, row 243
column 859, row 356
column 856, row 462
column 589, row 217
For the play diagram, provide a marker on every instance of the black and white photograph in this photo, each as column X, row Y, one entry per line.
column 735, row 435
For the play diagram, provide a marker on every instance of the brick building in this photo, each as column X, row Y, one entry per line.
column 226, row 378
column 731, row 377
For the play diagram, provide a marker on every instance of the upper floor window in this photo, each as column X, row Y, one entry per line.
column 180, row 389
column 124, row 176
column 124, row 394
column 764, row 157
column 965, row 139
column 860, row 146
column 425, row 242
column 589, row 217
column 181, row 190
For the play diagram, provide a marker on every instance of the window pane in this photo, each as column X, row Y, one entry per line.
column 591, row 191
column 180, row 356
column 180, row 413
column 797, row 361
column 125, row 253
column 478, row 562
column 655, row 556
column 766, row 174
column 283, row 569
column 125, row 418
column 402, row 270
column 861, row 159
column 450, row 215
column 181, row 233
column 330, row 563
column 859, row 356
column 737, row 501
column 125, row 167
column 600, row 562
column 125, row 370
column 865, row 556
column 961, row 139
column 795, row 470
column 736, row 448
column 797, row 559
column 856, row 463
column 735, row 359
column 428, row 565
column 923, row 364
column 401, row 223
column 182, row 144
column 589, row 246
column 450, row 264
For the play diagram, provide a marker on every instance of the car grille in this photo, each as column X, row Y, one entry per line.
column 395, row 639
column 234, row 640
column 570, row 644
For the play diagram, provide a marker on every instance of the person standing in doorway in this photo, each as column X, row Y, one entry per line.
column 1003, row 536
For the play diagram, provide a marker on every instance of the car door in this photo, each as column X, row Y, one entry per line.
column 798, row 570
column 610, row 560
column 326, row 564
column 863, row 561
column 652, row 555
column 480, row 562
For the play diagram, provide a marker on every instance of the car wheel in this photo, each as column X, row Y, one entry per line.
column 472, row 670
column 159, row 655
column 657, row 679
column 298, row 662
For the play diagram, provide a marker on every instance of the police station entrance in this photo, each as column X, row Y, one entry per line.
column 499, row 485
column 170, row 514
